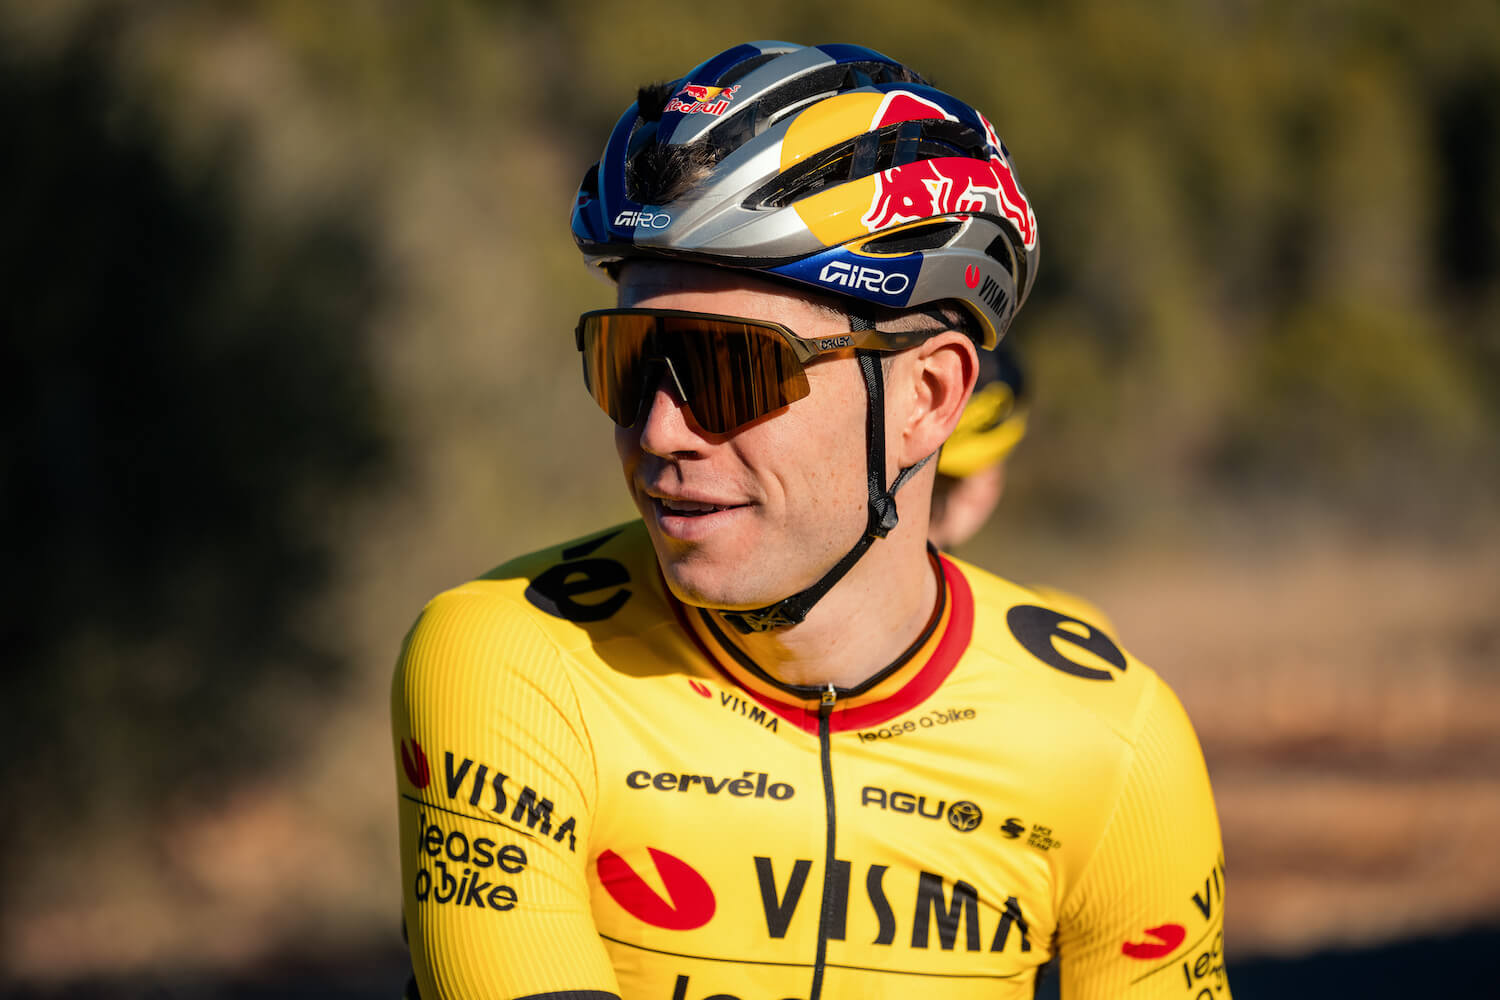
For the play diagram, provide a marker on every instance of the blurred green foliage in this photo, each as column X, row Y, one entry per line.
column 288, row 288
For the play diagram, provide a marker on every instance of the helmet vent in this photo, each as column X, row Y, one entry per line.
column 924, row 237
column 744, row 68
column 894, row 145
column 826, row 81
column 1003, row 249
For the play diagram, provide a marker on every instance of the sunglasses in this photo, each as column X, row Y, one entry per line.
column 727, row 369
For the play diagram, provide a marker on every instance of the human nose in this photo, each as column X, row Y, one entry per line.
column 665, row 424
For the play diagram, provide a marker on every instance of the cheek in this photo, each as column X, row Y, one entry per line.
column 628, row 448
column 828, row 441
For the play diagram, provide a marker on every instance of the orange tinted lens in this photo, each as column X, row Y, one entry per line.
column 612, row 371
column 731, row 372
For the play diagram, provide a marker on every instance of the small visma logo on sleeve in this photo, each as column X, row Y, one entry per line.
column 526, row 811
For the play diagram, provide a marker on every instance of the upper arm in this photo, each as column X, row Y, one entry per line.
column 1146, row 917
column 496, row 784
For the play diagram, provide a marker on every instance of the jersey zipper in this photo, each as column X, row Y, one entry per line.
column 830, row 696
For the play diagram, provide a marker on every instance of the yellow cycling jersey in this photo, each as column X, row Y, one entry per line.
column 600, row 797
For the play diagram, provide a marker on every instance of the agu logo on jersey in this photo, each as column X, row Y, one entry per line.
column 963, row 816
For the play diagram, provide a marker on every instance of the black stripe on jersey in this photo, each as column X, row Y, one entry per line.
column 463, row 815
column 883, row 970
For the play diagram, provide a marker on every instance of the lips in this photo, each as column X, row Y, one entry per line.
column 690, row 508
column 692, row 519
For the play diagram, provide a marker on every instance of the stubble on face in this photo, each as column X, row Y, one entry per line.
column 791, row 485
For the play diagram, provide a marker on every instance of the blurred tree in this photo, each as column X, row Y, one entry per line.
column 1383, row 414
column 1271, row 244
column 188, row 403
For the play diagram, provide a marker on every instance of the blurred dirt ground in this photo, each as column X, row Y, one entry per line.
column 1348, row 702
column 1347, row 696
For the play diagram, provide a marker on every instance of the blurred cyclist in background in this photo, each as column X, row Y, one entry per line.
column 766, row 741
column 971, row 466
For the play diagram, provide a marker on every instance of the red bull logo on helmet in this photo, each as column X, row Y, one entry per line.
column 946, row 185
column 701, row 100
column 921, row 190
column 1017, row 209
column 903, row 106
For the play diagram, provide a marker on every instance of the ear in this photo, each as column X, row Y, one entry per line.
column 940, row 375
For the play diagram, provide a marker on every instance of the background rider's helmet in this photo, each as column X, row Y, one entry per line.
column 833, row 167
column 993, row 422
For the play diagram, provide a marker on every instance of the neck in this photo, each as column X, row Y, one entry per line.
column 872, row 616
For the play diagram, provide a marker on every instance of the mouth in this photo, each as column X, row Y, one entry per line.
column 690, row 508
column 692, row 520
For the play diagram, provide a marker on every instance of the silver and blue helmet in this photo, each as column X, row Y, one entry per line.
column 830, row 166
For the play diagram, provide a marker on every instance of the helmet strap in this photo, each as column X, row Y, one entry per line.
column 882, row 515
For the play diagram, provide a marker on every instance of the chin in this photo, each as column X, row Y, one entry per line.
column 698, row 579
column 706, row 587
column 706, row 574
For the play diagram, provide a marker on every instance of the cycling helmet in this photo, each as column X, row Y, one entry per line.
column 994, row 421
column 832, row 166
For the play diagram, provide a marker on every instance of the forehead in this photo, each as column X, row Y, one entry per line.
column 704, row 288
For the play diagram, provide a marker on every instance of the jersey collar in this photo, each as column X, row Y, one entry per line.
column 894, row 690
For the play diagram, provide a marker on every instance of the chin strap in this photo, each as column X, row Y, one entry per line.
column 882, row 507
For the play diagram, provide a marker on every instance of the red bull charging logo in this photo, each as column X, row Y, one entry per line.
column 702, row 100
column 946, row 185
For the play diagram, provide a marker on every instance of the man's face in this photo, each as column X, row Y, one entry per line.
column 743, row 519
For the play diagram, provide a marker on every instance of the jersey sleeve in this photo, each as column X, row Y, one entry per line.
column 496, row 784
column 1146, row 917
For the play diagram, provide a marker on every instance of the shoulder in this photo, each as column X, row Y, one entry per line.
column 1072, row 605
column 1085, row 708
column 575, row 587
column 534, row 609
column 1059, row 651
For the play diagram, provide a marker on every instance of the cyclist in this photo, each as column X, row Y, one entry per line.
column 971, row 466
column 765, row 742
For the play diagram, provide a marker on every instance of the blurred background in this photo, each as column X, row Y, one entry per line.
column 288, row 290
